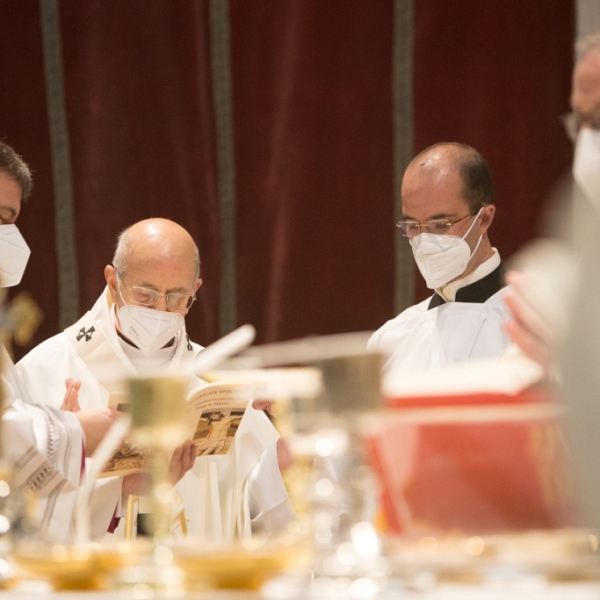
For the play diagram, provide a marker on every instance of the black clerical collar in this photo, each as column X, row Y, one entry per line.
column 130, row 343
column 478, row 291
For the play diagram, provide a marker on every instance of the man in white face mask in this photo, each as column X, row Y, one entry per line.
column 447, row 211
column 44, row 445
column 137, row 327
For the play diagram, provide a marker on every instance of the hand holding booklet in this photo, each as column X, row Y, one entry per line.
column 213, row 415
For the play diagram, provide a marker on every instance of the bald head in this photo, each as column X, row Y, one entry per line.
column 444, row 155
column 155, row 254
column 448, row 159
column 153, row 242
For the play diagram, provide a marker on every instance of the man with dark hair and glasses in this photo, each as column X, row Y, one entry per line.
column 447, row 210
column 137, row 327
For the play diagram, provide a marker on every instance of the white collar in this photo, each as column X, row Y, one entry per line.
column 448, row 291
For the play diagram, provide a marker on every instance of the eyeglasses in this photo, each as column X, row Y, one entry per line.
column 574, row 121
column 410, row 229
column 147, row 297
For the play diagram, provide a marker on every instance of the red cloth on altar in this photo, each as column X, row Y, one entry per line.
column 474, row 462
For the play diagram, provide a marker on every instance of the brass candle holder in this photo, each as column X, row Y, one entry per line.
column 157, row 423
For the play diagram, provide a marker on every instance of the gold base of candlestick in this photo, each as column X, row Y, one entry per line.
column 239, row 567
column 72, row 568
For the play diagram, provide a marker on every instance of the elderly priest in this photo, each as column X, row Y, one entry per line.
column 137, row 327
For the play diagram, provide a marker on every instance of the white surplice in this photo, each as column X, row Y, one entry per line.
column 419, row 339
column 223, row 496
column 44, row 447
column 422, row 338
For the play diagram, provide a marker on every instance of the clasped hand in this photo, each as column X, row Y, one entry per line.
column 96, row 422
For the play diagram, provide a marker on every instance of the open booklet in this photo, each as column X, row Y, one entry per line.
column 214, row 413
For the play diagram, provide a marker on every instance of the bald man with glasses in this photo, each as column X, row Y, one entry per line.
column 447, row 210
column 137, row 328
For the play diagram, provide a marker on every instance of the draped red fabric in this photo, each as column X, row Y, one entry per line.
column 24, row 125
column 496, row 75
column 313, row 138
column 139, row 102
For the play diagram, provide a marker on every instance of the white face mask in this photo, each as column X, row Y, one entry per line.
column 14, row 254
column 147, row 328
column 586, row 164
column 442, row 258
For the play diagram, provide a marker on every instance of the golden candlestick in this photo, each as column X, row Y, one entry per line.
column 157, row 412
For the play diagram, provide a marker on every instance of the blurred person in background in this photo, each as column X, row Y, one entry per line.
column 554, row 303
column 44, row 446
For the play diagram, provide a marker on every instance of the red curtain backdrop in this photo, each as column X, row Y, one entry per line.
column 313, row 138
column 139, row 101
column 24, row 125
column 496, row 75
